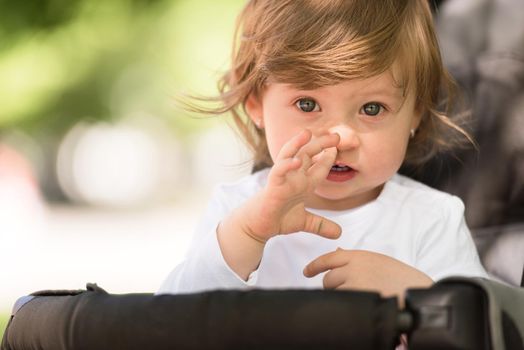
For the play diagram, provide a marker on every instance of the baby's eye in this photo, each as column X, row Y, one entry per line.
column 372, row 108
column 307, row 105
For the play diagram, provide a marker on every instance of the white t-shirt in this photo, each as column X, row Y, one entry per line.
column 409, row 221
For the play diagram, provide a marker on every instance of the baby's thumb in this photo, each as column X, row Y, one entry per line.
column 321, row 226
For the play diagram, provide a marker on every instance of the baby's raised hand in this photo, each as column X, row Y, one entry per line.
column 365, row 270
column 279, row 208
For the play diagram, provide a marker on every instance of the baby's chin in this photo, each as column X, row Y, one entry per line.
column 329, row 200
column 337, row 198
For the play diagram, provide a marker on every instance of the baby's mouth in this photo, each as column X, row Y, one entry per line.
column 340, row 168
column 341, row 173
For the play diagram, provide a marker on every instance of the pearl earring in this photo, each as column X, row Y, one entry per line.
column 258, row 123
column 412, row 133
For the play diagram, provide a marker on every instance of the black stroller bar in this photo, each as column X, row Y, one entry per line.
column 455, row 313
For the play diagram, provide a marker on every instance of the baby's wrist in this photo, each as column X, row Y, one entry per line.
column 241, row 252
column 239, row 223
column 254, row 237
column 244, row 219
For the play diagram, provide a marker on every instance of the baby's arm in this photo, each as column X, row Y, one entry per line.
column 279, row 208
column 445, row 248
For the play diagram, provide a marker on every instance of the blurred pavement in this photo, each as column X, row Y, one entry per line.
column 123, row 247
column 121, row 251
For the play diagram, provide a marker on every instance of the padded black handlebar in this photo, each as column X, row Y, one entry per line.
column 456, row 313
column 294, row 319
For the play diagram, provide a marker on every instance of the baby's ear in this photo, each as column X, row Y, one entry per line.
column 255, row 110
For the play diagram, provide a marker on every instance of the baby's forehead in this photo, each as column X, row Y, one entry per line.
column 387, row 83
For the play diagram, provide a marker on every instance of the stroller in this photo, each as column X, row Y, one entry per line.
column 483, row 46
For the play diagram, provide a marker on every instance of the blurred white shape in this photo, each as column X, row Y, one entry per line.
column 111, row 165
column 115, row 165
column 220, row 156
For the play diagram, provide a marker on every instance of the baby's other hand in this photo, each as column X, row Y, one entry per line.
column 365, row 270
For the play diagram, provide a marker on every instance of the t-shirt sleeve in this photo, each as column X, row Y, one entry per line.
column 445, row 246
column 204, row 267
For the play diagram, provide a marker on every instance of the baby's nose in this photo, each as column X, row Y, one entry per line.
column 349, row 137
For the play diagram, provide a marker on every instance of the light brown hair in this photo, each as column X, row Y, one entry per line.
column 314, row 43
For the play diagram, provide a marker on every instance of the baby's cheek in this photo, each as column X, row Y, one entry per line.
column 386, row 161
column 276, row 138
column 274, row 146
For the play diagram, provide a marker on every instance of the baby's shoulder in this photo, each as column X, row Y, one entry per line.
column 404, row 191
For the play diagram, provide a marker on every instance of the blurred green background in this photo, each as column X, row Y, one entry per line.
column 63, row 62
column 81, row 62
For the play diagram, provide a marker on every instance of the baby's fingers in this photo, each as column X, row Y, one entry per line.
column 328, row 261
column 278, row 173
column 334, row 278
column 321, row 226
column 291, row 148
column 323, row 164
column 315, row 147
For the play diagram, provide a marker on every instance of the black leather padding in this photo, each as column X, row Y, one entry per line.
column 257, row 319
column 449, row 316
column 460, row 313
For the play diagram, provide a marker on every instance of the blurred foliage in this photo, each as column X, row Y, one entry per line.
column 21, row 17
column 62, row 61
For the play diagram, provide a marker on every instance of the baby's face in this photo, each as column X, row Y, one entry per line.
column 372, row 117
